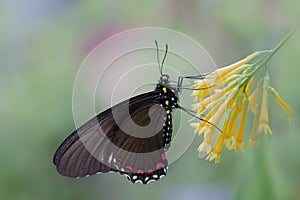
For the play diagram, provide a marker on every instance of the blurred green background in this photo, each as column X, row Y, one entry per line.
column 42, row 44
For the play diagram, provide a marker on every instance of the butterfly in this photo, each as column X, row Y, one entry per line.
column 130, row 138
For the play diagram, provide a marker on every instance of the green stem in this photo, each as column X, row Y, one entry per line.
column 273, row 51
column 270, row 53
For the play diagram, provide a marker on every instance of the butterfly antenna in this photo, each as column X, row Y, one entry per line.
column 163, row 61
column 157, row 55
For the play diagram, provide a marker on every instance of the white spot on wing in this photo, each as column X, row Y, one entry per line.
column 110, row 157
column 150, row 180
column 162, row 176
column 127, row 176
column 116, row 167
column 147, row 178
column 139, row 181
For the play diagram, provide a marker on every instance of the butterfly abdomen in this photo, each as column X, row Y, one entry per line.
column 168, row 100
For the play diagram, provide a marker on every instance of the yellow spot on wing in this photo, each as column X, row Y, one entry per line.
column 167, row 102
column 168, row 111
column 164, row 89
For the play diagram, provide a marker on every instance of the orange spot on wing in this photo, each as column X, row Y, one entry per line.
column 160, row 165
column 163, row 156
column 140, row 171
column 128, row 167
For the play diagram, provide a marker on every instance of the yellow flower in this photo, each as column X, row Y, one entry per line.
column 254, row 137
column 223, row 72
column 230, row 129
column 202, row 105
column 205, row 146
column 284, row 106
column 202, row 88
column 249, row 86
column 203, row 125
column 216, row 153
column 209, row 131
column 218, row 147
column 263, row 122
column 239, row 138
column 253, row 99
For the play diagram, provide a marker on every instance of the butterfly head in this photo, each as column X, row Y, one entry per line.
column 164, row 79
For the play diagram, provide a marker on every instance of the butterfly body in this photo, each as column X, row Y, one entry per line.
column 168, row 100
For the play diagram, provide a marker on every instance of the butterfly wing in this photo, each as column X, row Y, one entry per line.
column 126, row 138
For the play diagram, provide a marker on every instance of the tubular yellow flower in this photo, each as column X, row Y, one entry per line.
column 230, row 129
column 204, row 88
column 249, row 86
column 253, row 99
column 240, row 100
column 219, row 144
column 228, row 81
column 201, row 127
column 203, row 124
column 218, row 147
column 254, row 137
column 194, row 125
column 202, row 105
column 233, row 97
column 238, row 142
column 285, row 107
column 217, row 150
column 264, row 115
column 219, row 113
column 210, row 130
column 222, row 72
column 205, row 146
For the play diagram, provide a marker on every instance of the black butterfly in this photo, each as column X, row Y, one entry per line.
column 130, row 138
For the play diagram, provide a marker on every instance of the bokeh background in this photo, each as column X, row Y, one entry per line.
column 42, row 44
